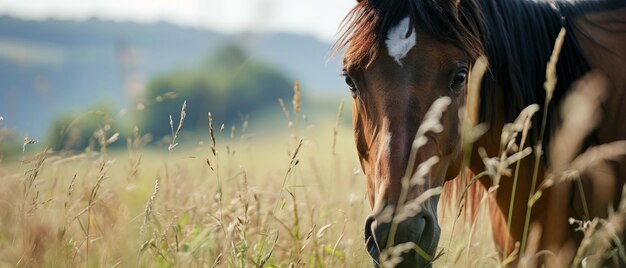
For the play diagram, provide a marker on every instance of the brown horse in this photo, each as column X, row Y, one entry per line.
column 402, row 55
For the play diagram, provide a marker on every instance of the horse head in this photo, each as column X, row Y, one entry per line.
column 401, row 57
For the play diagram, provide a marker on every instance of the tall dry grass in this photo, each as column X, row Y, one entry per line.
column 224, row 200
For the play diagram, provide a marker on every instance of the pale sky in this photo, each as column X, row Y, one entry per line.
column 316, row 17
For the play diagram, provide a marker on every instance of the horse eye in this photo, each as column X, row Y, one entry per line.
column 350, row 84
column 458, row 81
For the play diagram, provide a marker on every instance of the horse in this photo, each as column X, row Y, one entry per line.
column 400, row 56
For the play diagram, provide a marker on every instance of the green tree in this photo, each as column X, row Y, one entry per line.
column 77, row 131
column 227, row 84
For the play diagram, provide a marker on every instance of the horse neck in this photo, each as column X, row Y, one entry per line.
column 519, row 42
column 520, row 39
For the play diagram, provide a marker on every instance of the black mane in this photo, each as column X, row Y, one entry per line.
column 520, row 38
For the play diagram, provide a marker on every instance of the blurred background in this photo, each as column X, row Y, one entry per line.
column 70, row 67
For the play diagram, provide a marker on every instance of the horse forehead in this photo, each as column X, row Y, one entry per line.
column 398, row 43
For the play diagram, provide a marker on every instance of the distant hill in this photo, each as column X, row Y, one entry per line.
column 55, row 66
column 304, row 58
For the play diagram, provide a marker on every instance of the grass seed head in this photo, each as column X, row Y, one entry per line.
column 28, row 141
column 336, row 128
column 551, row 78
column 212, row 134
column 296, row 98
column 150, row 204
column 286, row 112
column 183, row 115
column 473, row 89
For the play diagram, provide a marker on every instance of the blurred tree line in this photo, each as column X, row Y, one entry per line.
column 227, row 83
column 10, row 144
column 77, row 131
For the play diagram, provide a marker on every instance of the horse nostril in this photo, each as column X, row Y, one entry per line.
column 370, row 239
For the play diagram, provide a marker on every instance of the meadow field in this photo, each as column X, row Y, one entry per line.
column 295, row 198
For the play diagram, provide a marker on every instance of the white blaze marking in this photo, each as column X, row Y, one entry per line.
column 398, row 44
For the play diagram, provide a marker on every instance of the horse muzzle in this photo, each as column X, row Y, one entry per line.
column 422, row 230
